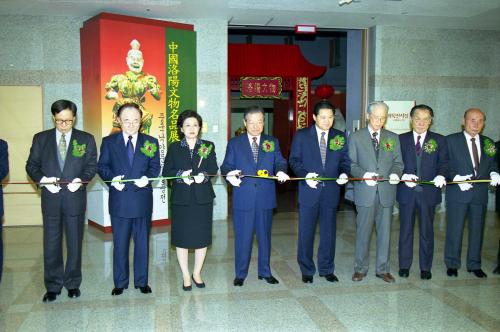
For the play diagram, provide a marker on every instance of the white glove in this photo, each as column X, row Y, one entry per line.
column 75, row 185
column 463, row 186
column 439, row 181
column 282, row 176
column 311, row 183
column 199, row 178
column 142, row 182
column 495, row 179
column 233, row 177
column 342, row 179
column 393, row 178
column 410, row 177
column 118, row 185
column 187, row 180
column 48, row 183
column 369, row 175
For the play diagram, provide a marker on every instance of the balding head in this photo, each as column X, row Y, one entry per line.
column 473, row 121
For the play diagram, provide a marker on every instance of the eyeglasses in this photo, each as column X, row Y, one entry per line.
column 131, row 123
column 64, row 122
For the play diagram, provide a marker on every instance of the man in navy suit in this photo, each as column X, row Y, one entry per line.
column 253, row 199
column 425, row 158
column 319, row 151
column 472, row 156
column 4, row 170
column 62, row 160
column 130, row 155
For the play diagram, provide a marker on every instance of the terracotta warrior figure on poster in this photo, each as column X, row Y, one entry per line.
column 132, row 86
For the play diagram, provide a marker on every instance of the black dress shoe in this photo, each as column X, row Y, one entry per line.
column 186, row 288
column 425, row 275
column 307, row 279
column 270, row 280
column 74, row 292
column 404, row 273
column 330, row 277
column 238, row 282
column 117, row 291
column 198, row 285
column 452, row 272
column 478, row 273
column 50, row 296
column 497, row 270
column 144, row 289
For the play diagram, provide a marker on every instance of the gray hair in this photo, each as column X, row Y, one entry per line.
column 374, row 104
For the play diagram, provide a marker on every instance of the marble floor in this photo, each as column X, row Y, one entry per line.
column 441, row 304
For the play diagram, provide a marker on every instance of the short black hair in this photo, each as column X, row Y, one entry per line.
column 127, row 105
column 61, row 105
column 421, row 107
column 186, row 115
column 252, row 110
column 323, row 104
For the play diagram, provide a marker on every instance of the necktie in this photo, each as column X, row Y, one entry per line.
column 62, row 147
column 322, row 148
column 475, row 154
column 255, row 149
column 130, row 150
column 375, row 141
column 418, row 147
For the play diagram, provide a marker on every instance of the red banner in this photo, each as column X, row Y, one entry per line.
column 261, row 87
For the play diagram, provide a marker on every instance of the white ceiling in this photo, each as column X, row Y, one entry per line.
column 455, row 14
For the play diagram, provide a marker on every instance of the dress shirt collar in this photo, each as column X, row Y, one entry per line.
column 422, row 137
column 67, row 136
column 250, row 139
column 134, row 139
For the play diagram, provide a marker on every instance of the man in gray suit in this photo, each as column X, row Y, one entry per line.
column 62, row 160
column 375, row 153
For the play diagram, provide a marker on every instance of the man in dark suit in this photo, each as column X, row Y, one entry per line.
column 319, row 151
column 4, row 170
column 253, row 199
column 130, row 155
column 425, row 158
column 472, row 156
column 375, row 153
column 62, row 160
column 497, row 208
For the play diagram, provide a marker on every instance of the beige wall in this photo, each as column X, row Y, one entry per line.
column 21, row 116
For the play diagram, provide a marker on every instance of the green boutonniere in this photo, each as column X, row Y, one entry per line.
column 489, row 148
column 149, row 149
column 204, row 151
column 431, row 146
column 337, row 143
column 268, row 146
column 78, row 149
column 388, row 144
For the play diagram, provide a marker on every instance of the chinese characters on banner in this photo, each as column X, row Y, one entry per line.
column 173, row 83
column 302, row 102
column 261, row 87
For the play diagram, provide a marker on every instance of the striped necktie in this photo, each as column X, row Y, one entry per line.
column 322, row 148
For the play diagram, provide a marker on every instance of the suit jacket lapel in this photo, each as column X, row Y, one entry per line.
column 69, row 154
column 314, row 145
column 54, row 150
column 122, row 149
column 368, row 140
column 465, row 147
column 247, row 148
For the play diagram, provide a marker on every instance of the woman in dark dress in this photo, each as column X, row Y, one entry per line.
column 192, row 196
